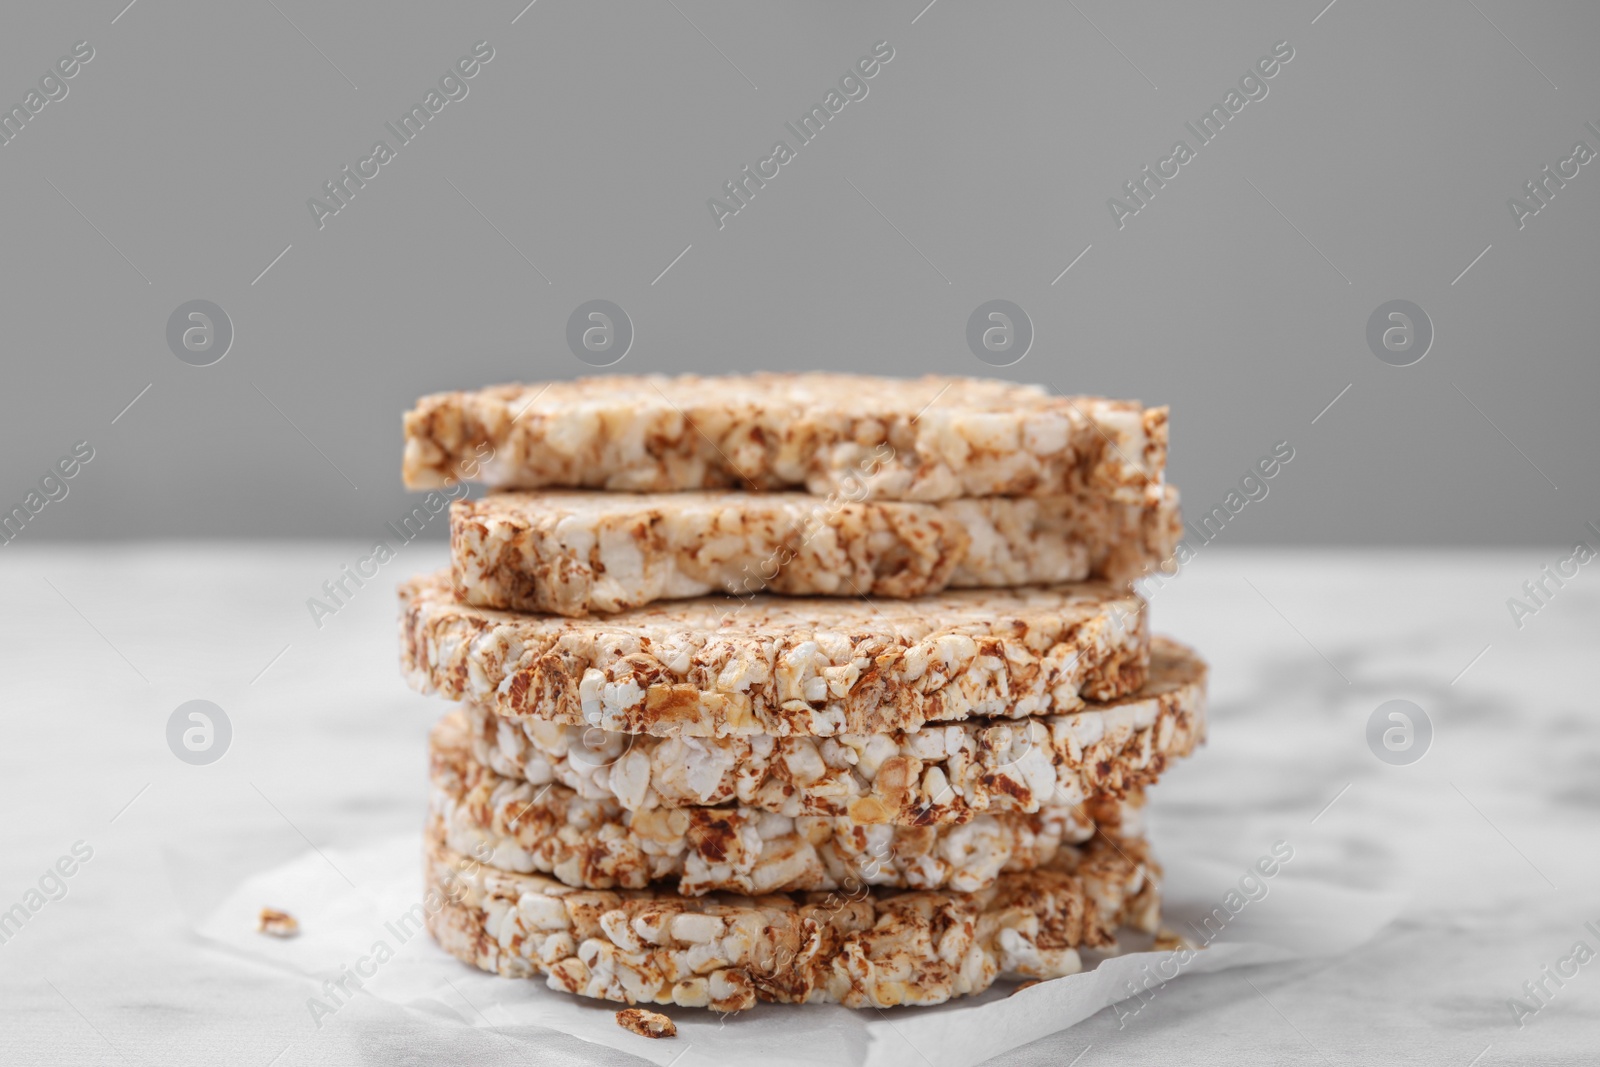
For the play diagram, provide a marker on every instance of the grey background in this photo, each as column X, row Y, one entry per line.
column 1381, row 161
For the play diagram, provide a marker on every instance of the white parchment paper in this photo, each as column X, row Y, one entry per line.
column 351, row 907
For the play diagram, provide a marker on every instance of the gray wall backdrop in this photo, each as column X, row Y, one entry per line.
column 1378, row 166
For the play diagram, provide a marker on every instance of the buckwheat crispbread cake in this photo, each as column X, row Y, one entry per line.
column 599, row 844
column 863, row 948
column 779, row 665
column 934, row 776
column 930, row 438
column 579, row 552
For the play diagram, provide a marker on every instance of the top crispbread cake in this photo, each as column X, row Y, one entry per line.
column 930, row 438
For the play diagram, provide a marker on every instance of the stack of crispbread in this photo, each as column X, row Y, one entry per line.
column 808, row 687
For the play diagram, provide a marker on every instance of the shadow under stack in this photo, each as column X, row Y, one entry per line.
column 807, row 687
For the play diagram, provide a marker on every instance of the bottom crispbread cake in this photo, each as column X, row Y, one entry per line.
column 598, row 844
column 863, row 948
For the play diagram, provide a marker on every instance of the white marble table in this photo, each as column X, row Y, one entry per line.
column 1492, row 834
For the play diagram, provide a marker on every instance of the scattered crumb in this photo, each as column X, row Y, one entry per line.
column 1168, row 941
column 1030, row 983
column 277, row 923
column 646, row 1023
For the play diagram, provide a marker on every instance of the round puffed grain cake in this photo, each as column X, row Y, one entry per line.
column 938, row 775
column 575, row 552
column 598, row 844
column 782, row 665
column 866, row 948
column 930, row 438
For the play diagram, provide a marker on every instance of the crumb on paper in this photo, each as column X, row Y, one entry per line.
column 1168, row 941
column 277, row 923
column 646, row 1023
column 1029, row 984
